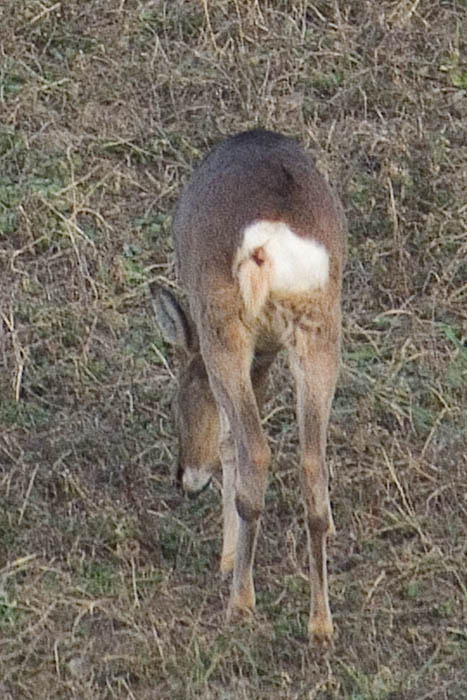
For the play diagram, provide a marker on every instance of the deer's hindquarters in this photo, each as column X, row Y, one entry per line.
column 273, row 259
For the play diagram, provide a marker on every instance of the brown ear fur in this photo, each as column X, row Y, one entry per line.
column 173, row 319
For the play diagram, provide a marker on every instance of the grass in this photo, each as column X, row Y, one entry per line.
column 108, row 577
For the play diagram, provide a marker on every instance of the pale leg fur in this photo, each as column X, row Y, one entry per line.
column 315, row 366
column 259, row 377
column 230, row 531
column 229, row 359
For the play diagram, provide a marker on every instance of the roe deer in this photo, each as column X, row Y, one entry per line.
column 260, row 247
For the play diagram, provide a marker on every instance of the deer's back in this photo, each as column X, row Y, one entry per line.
column 252, row 177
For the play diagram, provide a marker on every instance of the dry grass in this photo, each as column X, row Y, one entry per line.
column 108, row 579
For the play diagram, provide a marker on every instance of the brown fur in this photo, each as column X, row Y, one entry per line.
column 250, row 177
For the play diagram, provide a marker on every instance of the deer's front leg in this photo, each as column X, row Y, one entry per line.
column 315, row 366
column 230, row 515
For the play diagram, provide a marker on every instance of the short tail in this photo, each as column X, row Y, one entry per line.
column 272, row 258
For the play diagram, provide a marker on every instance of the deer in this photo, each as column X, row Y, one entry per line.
column 260, row 245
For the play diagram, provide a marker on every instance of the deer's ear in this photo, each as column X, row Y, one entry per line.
column 173, row 320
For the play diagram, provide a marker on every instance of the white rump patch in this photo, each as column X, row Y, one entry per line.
column 272, row 258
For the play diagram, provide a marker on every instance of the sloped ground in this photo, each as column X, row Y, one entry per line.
column 108, row 577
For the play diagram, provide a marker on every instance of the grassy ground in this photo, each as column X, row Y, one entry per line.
column 108, row 577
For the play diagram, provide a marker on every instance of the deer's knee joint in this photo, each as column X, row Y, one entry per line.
column 249, row 506
column 320, row 524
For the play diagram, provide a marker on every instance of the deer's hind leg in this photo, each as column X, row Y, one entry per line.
column 259, row 377
column 314, row 357
column 245, row 454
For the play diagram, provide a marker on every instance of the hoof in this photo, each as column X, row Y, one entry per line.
column 227, row 564
column 235, row 615
column 320, row 632
column 241, row 607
